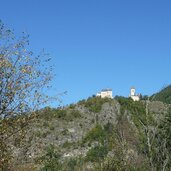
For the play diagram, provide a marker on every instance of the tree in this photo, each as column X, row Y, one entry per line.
column 51, row 160
column 23, row 81
column 157, row 138
column 163, row 145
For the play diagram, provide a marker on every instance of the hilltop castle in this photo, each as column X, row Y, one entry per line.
column 105, row 93
column 133, row 95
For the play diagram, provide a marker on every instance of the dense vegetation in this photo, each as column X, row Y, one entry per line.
column 94, row 104
column 164, row 95
column 137, row 141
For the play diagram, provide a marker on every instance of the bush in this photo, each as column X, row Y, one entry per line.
column 96, row 154
column 95, row 134
column 68, row 144
column 94, row 104
column 61, row 113
column 50, row 160
column 75, row 113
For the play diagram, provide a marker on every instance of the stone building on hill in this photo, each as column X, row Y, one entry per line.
column 133, row 95
column 105, row 93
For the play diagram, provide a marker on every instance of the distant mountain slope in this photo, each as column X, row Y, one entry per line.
column 164, row 95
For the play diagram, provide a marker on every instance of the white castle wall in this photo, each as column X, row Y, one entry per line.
column 105, row 93
column 133, row 95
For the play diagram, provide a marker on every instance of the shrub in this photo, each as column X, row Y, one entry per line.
column 50, row 160
column 75, row 113
column 95, row 134
column 97, row 154
column 68, row 144
column 94, row 104
column 65, row 132
column 61, row 113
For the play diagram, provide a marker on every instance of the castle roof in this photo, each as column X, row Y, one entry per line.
column 132, row 87
column 104, row 90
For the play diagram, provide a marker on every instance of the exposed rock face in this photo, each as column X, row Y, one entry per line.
column 109, row 113
column 67, row 132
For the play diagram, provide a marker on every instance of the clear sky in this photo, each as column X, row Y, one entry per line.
column 98, row 44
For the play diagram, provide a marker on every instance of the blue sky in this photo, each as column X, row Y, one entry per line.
column 98, row 44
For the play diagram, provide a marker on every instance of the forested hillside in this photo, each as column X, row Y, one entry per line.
column 97, row 134
column 164, row 95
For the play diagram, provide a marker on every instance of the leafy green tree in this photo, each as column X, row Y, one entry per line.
column 23, row 79
column 51, row 160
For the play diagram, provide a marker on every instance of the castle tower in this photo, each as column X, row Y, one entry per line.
column 133, row 94
column 132, row 91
